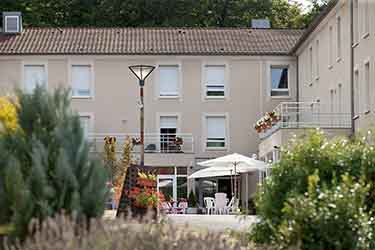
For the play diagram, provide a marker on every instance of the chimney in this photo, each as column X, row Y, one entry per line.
column 260, row 24
column 12, row 22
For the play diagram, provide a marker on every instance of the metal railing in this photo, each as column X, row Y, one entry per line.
column 308, row 115
column 153, row 142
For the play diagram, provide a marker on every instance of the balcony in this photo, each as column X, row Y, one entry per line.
column 154, row 143
column 294, row 115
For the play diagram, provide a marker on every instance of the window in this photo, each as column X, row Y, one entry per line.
column 168, row 80
column 338, row 35
column 85, row 124
column 311, row 64
column 356, row 21
column 34, row 75
column 168, row 130
column 81, row 80
column 279, row 81
column 339, row 99
column 216, row 132
column 317, row 59
column 12, row 24
column 330, row 46
column 366, row 17
column 215, row 80
column 356, row 92
column 367, row 87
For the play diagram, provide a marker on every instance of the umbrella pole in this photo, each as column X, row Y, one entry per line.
column 231, row 183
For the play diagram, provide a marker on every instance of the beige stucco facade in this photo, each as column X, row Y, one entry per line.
column 114, row 105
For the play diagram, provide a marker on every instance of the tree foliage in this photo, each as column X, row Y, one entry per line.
column 45, row 166
column 135, row 13
column 320, row 187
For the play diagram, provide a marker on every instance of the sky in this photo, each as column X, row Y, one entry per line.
column 305, row 3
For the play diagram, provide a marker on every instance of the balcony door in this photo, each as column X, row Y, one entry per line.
column 168, row 130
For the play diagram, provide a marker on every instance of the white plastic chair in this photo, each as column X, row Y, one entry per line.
column 209, row 203
column 166, row 207
column 220, row 202
column 183, row 205
column 230, row 207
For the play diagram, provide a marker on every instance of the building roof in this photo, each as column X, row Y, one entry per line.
column 150, row 41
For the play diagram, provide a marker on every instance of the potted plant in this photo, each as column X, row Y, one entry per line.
column 192, row 202
column 136, row 141
column 258, row 127
column 179, row 141
column 144, row 195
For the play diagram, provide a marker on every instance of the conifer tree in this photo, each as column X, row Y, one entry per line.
column 46, row 166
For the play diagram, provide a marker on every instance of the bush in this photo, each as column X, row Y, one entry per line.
column 63, row 233
column 285, row 199
column 45, row 164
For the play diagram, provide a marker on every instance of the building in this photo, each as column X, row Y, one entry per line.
column 210, row 86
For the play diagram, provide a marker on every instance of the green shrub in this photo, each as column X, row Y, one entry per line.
column 45, row 165
column 327, row 160
column 327, row 218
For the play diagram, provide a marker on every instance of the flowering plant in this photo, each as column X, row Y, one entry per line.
column 8, row 115
column 145, row 194
column 145, row 197
column 136, row 141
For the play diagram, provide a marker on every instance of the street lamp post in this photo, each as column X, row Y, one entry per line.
column 142, row 72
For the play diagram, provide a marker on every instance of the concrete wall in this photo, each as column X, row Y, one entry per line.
column 364, row 53
column 328, row 78
column 114, row 106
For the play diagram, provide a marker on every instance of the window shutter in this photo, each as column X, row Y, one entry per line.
column 11, row 24
column 81, row 79
column 34, row 75
column 168, row 122
column 168, row 80
column 215, row 75
column 216, row 127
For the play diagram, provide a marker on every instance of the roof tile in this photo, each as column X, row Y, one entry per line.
column 149, row 41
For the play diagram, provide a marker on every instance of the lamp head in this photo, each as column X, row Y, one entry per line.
column 141, row 71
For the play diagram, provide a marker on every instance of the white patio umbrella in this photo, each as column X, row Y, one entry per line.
column 232, row 164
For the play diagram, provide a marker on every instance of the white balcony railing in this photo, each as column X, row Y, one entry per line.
column 154, row 142
column 308, row 115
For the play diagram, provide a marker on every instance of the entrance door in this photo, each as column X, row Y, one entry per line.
column 166, row 185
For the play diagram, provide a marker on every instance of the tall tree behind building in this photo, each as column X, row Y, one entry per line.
column 143, row 13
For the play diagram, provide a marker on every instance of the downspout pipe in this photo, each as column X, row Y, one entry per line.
column 352, row 108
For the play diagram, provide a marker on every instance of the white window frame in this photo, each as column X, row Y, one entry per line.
column 179, row 84
column 227, row 135
column 169, row 114
column 367, row 86
column 270, row 66
column 357, row 92
column 311, row 65
column 338, row 38
column 6, row 24
column 33, row 63
column 317, row 56
column 330, row 47
column 91, row 121
column 356, row 23
column 226, row 80
column 366, row 19
column 92, row 83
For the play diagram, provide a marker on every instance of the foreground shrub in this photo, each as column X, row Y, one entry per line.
column 45, row 165
column 63, row 233
column 286, row 205
column 326, row 218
